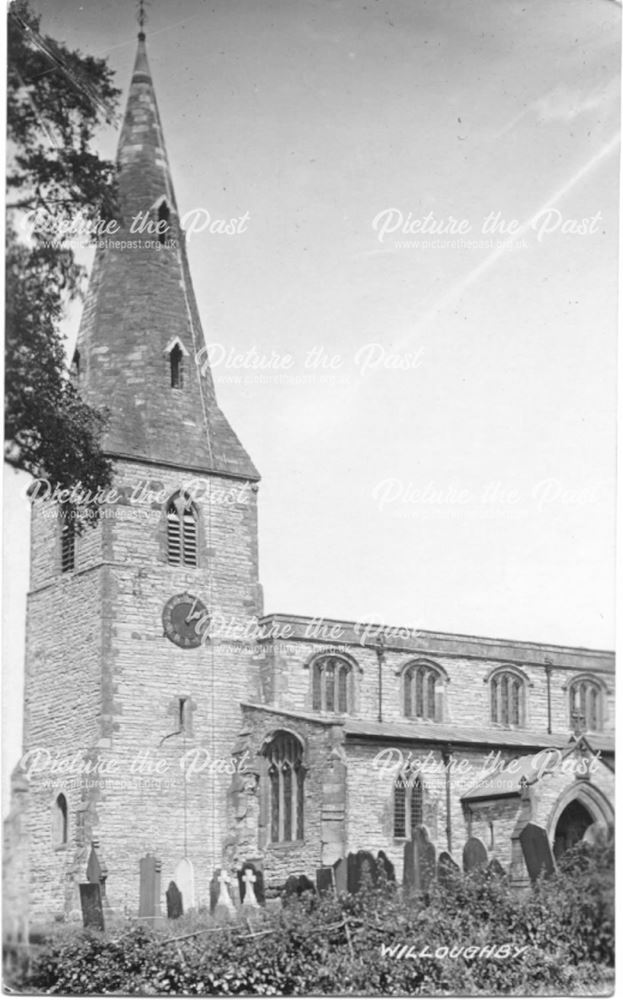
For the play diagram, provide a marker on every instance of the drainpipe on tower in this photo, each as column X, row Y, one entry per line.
column 447, row 758
column 380, row 653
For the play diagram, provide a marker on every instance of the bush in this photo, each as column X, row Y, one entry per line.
column 351, row 945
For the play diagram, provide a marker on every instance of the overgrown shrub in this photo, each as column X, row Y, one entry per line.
column 344, row 946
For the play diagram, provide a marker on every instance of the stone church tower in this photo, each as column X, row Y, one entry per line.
column 121, row 679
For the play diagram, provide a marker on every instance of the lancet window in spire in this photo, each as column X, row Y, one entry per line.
column 176, row 358
column 164, row 216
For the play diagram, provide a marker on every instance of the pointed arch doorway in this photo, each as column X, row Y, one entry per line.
column 572, row 824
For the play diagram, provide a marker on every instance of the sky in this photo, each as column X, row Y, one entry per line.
column 434, row 420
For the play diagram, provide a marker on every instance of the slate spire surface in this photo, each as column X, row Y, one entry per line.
column 141, row 307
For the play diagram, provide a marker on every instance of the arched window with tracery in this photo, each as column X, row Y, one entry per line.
column 585, row 705
column 408, row 805
column 286, row 787
column 508, row 698
column 422, row 692
column 332, row 681
column 181, row 531
column 59, row 821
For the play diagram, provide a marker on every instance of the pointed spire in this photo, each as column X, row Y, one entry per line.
column 140, row 341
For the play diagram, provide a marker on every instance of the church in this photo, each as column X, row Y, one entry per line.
column 166, row 714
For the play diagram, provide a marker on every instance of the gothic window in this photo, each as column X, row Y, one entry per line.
column 585, row 705
column 408, row 811
column 68, row 542
column 176, row 360
column 422, row 689
column 286, row 777
column 508, row 697
column 181, row 531
column 59, row 821
column 331, row 684
column 164, row 216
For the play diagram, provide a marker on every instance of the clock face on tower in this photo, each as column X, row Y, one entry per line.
column 186, row 620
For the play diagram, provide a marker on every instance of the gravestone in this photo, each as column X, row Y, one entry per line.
column 384, row 867
column 251, row 889
column 425, row 855
column 97, row 873
column 495, row 869
column 175, row 905
column 447, row 869
column 91, row 903
column 291, row 887
column 359, row 867
column 537, row 851
column 221, row 905
column 474, row 854
column 149, row 887
column 184, row 878
column 340, row 876
column 325, row 880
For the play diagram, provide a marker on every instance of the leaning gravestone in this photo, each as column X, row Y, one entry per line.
column 325, row 880
column 184, row 878
column 149, row 887
column 537, row 851
column 91, row 903
column 360, row 867
column 447, row 869
column 340, row 874
column 474, row 854
column 175, row 906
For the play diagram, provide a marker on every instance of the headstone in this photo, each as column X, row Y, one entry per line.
column 358, row 867
column 425, row 854
column 251, row 882
column 385, row 867
column 474, row 854
column 175, row 906
column 184, row 878
column 291, row 887
column 447, row 869
column 97, row 873
column 215, row 889
column 537, row 851
column 340, row 876
column 224, row 909
column 496, row 869
column 325, row 880
column 149, row 888
column 91, row 903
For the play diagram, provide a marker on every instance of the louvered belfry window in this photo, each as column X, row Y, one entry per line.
column 286, row 780
column 181, row 531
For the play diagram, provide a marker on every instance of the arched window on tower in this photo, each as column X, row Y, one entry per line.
column 332, row 680
column 164, row 216
column 176, row 360
column 422, row 692
column 68, row 541
column 508, row 698
column 586, row 705
column 286, row 787
column 408, row 805
column 181, row 531
column 59, row 821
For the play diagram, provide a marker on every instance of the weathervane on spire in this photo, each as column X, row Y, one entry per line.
column 141, row 16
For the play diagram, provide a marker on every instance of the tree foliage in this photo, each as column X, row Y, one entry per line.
column 56, row 100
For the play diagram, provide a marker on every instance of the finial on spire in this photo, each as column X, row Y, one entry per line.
column 141, row 17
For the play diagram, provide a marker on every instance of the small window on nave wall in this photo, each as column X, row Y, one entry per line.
column 586, row 705
column 408, row 811
column 332, row 680
column 286, row 786
column 181, row 531
column 422, row 690
column 508, row 698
